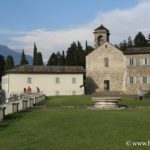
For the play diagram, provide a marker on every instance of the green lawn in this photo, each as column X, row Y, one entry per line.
column 133, row 103
column 68, row 101
column 58, row 128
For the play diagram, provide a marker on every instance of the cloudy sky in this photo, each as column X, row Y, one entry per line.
column 55, row 24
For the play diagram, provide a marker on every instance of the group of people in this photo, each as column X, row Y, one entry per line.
column 29, row 90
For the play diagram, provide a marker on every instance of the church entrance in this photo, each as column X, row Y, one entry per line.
column 106, row 85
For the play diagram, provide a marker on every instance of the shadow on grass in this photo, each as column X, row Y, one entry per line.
column 12, row 118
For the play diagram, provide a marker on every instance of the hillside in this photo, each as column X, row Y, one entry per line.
column 5, row 51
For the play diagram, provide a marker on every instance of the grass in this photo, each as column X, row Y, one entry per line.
column 68, row 101
column 133, row 102
column 57, row 128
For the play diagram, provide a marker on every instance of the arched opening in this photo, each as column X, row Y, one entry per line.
column 100, row 40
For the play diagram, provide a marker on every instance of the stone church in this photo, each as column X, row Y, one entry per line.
column 110, row 70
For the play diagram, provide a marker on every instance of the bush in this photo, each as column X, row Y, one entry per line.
column 147, row 94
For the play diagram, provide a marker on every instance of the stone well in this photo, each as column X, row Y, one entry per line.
column 106, row 102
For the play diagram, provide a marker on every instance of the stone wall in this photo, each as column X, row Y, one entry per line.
column 138, row 71
column 117, row 72
column 25, row 101
column 96, row 72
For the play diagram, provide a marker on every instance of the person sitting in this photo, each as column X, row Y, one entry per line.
column 29, row 90
column 38, row 90
column 25, row 90
column 141, row 95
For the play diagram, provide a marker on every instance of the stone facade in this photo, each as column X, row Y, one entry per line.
column 138, row 71
column 110, row 69
column 97, row 73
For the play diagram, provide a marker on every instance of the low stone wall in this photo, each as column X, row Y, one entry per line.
column 23, row 102
column 2, row 113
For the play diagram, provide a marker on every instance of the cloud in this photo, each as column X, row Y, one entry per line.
column 52, row 41
column 121, row 24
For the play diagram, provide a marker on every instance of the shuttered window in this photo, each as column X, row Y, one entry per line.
column 131, row 61
column 145, row 61
column 57, row 80
column 29, row 80
column 74, row 81
column 131, row 80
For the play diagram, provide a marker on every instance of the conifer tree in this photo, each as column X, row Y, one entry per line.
column 80, row 55
column 88, row 49
column 71, row 57
column 35, row 55
column 123, row 45
column 39, row 59
column 130, row 42
column 2, row 66
column 9, row 63
column 59, row 59
column 140, row 40
column 52, row 60
column 23, row 60
column 63, row 58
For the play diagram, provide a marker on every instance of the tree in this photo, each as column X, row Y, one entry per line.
column 148, row 41
column 35, row 55
column 63, row 58
column 75, row 55
column 23, row 60
column 80, row 55
column 39, row 59
column 71, row 57
column 140, row 40
column 148, row 36
column 2, row 66
column 123, row 45
column 9, row 63
column 88, row 49
column 116, row 46
column 52, row 60
column 130, row 42
column 59, row 59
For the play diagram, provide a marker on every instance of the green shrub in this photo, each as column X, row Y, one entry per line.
column 147, row 94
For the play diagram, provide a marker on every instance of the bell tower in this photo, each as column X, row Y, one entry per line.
column 101, row 35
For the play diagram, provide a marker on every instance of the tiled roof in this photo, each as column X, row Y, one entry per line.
column 47, row 69
column 139, row 50
column 101, row 28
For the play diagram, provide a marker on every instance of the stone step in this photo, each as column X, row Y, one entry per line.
column 115, row 94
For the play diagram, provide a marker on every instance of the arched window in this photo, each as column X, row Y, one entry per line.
column 106, row 62
column 100, row 40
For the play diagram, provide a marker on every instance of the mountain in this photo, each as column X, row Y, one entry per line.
column 5, row 51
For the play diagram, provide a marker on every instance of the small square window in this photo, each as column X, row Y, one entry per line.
column 73, row 92
column 57, row 80
column 29, row 80
column 57, row 93
column 145, row 80
column 73, row 80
